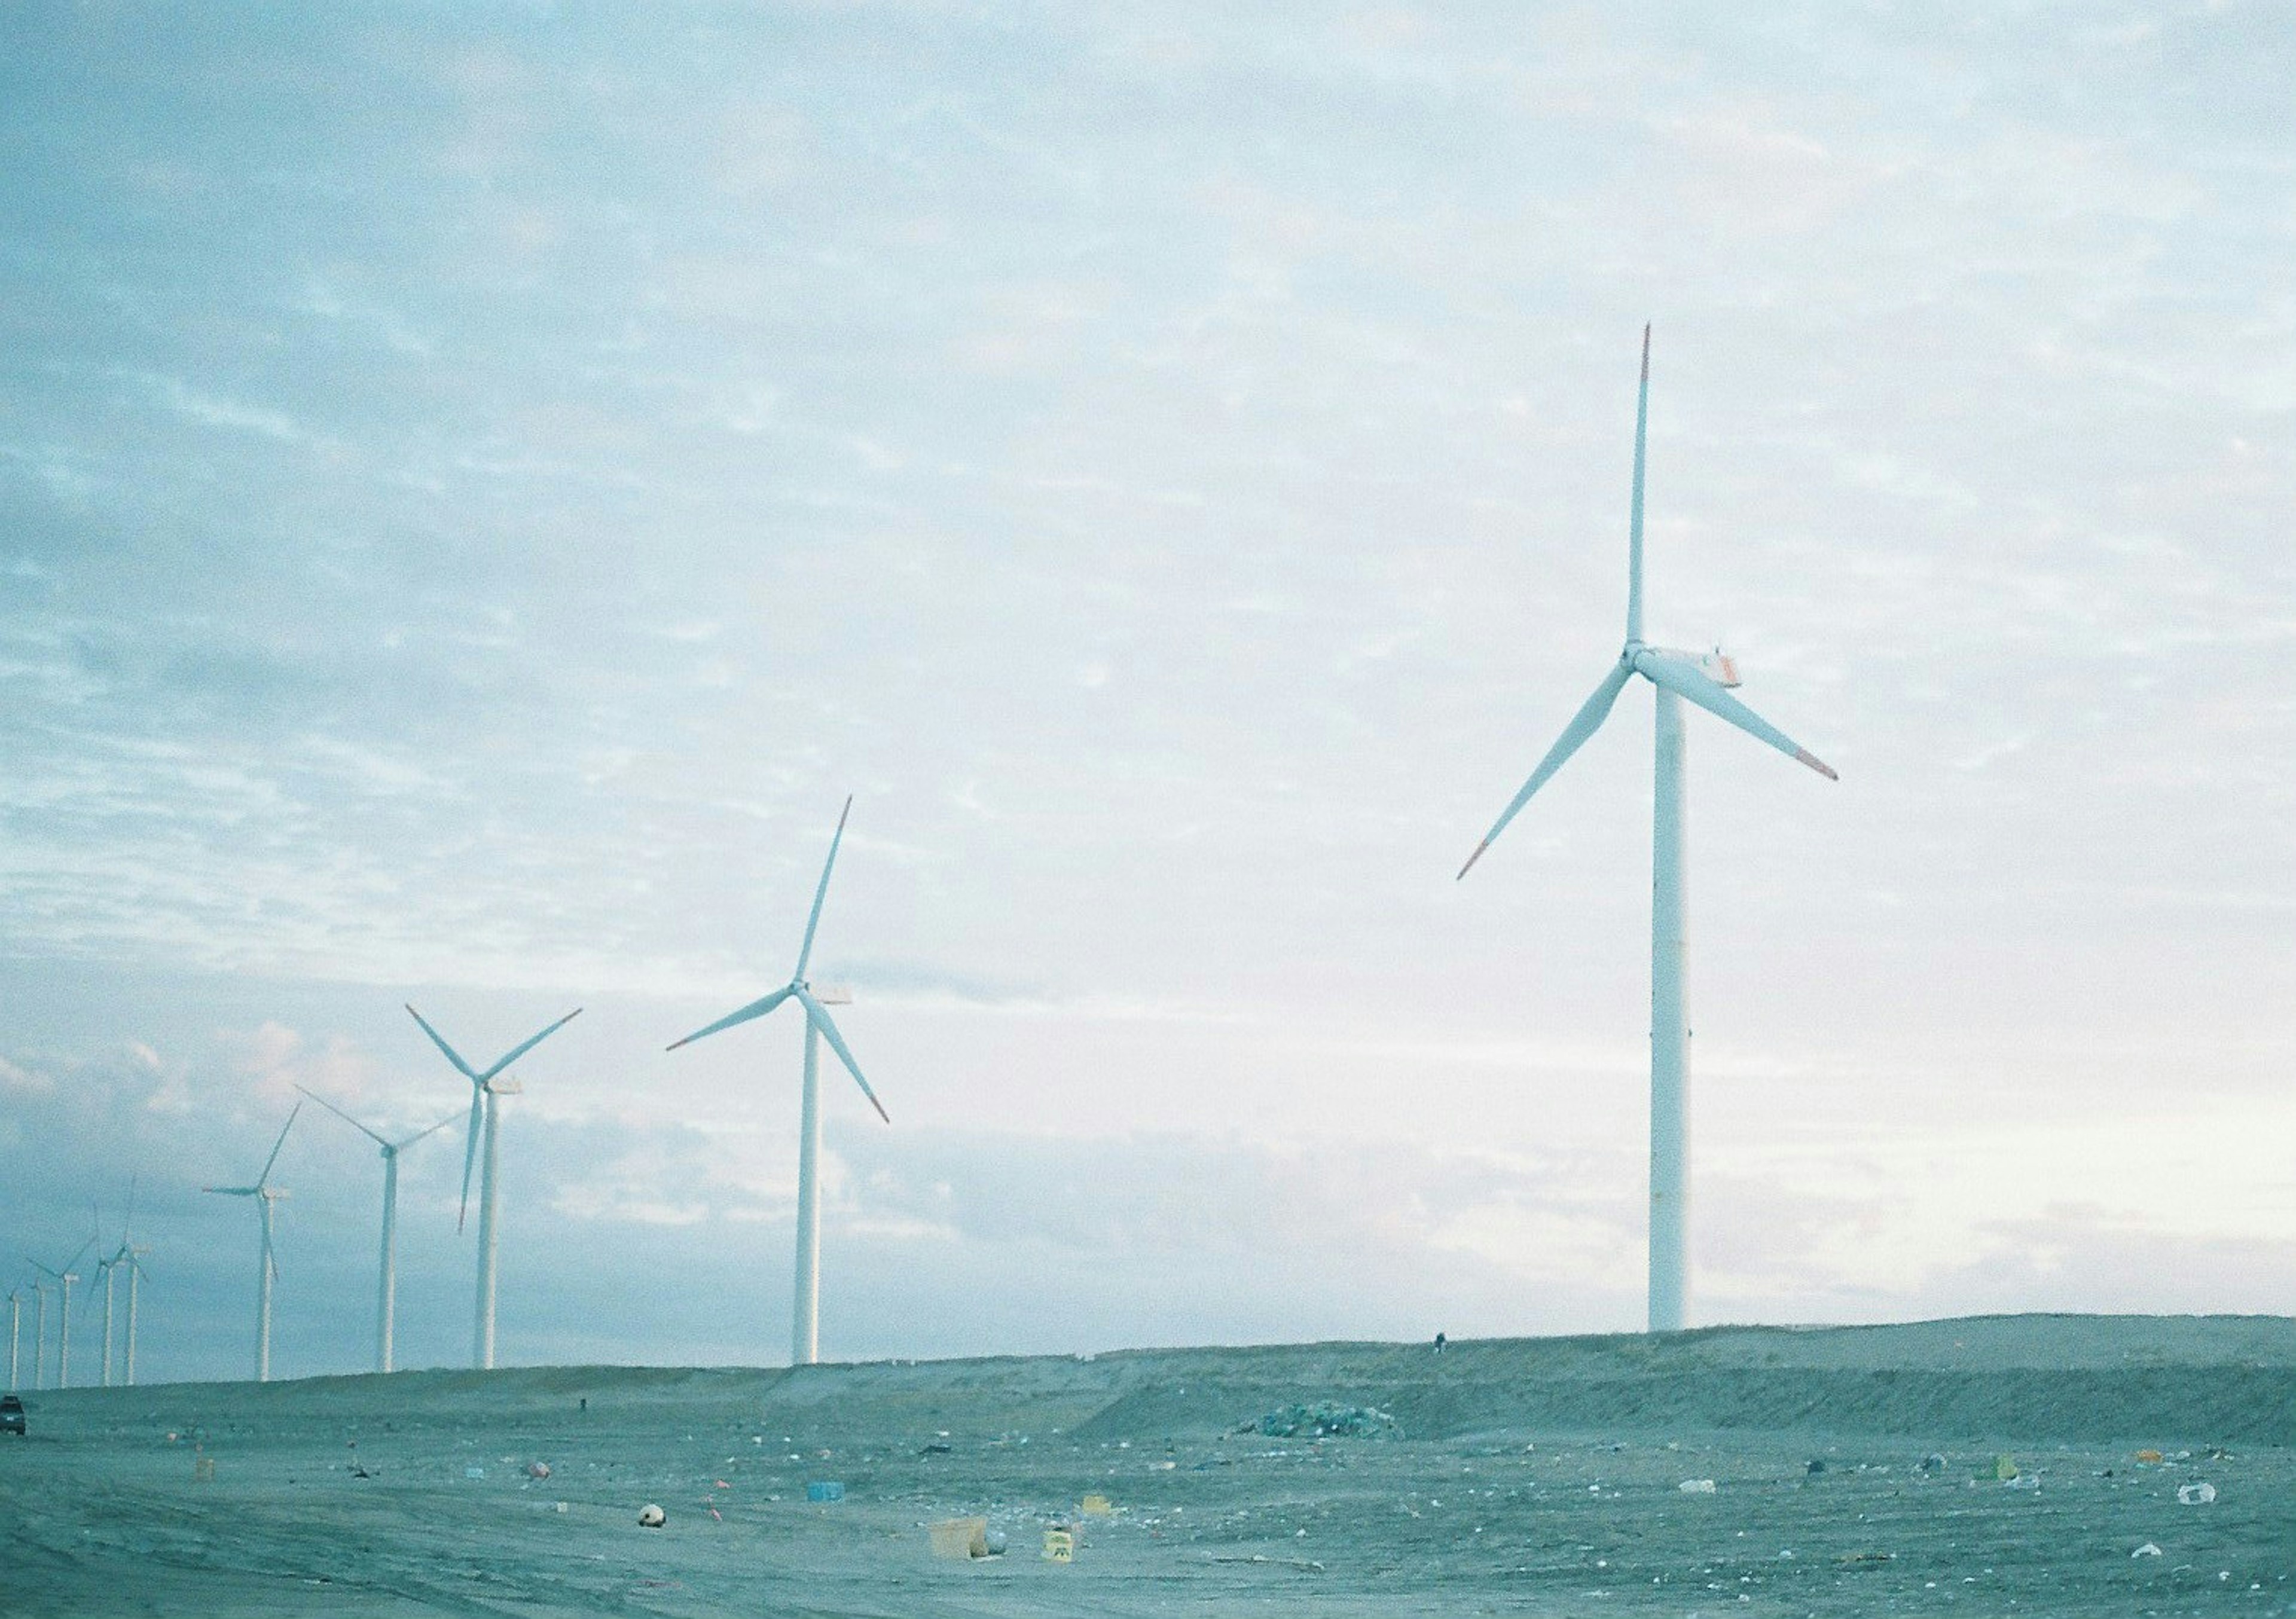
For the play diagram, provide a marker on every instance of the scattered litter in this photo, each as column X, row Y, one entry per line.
column 1697, row 1486
column 537, row 1470
column 960, row 1538
column 203, row 1469
column 936, row 1448
column 2023, row 1481
column 1324, row 1421
column 474, row 1471
column 1932, row 1463
column 558, row 1506
column 1060, row 1546
column 651, row 1516
column 2153, row 1456
column 1163, row 1466
column 824, row 1489
column 2148, row 1549
column 2195, row 1495
column 1848, row 1558
column 1097, row 1506
column 1817, row 1465
column 2005, row 1467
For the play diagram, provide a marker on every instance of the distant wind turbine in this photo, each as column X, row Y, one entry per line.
column 15, row 1331
column 1703, row 679
column 264, row 1194
column 484, row 1089
column 108, row 1269
column 805, row 1337
column 39, row 1330
column 64, row 1280
column 386, row 1304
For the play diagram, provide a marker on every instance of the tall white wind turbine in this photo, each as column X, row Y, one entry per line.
column 804, row 1334
column 268, row 1267
column 487, row 1089
column 39, row 1330
column 107, row 1269
column 64, row 1280
column 1701, row 678
column 387, row 1293
column 15, row 1332
column 133, row 1258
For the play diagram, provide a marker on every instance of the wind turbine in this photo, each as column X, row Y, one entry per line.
column 108, row 1270
column 39, row 1331
column 15, row 1331
column 1703, row 679
column 385, row 1307
column 805, row 1336
column 486, row 1088
column 133, row 1258
column 264, row 1194
column 64, row 1280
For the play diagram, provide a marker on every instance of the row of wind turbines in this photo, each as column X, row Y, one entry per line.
column 125, row 1257
column 1703, row 679
column 481, row 1153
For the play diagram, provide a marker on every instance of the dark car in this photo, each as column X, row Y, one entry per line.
column 11, row 1414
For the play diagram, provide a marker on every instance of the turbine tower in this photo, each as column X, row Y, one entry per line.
column 133, row 1258
column 104, row 1278
column 106, row 1273
column 1703, row 679
column 15, row 1332
column 268, row 1271
column 64, row 1280
column 805, row 1336
column 39, row 1331
column 386, row 1299
column 486, row 1088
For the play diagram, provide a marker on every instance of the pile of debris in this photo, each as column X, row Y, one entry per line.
column 1324, row 1421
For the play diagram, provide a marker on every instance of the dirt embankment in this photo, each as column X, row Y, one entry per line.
column 2222, row 1380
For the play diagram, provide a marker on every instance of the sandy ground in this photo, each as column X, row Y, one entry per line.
column 1525, row 1476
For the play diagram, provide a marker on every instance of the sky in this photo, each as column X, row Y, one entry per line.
column 481, row 484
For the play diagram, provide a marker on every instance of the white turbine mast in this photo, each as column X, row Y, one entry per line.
column 805, row 1331
column 39, row 1330
column 64, row 1280
column 1703, row 679
column 486, row 1089
column 268, row 1266
column 387, row 1291
column 15, row 1332
column 107, row 1271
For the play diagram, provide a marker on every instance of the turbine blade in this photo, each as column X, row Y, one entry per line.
column 1688, row 683
column 440, row 1041
column 469, row 1154
column 339, row 1113
column 528, row 1044
column 1583, row 725
column 1634, row 511
column 128, row 1223
column 231, row 1191
column 756, row 1008
column 818, row 1015
column 805, row 952
column 265, row 1176
column 419, row 1135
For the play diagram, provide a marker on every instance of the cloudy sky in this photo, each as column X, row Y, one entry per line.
column 481, row 484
